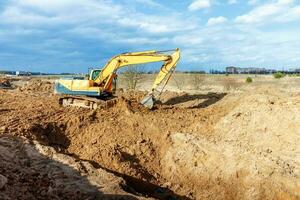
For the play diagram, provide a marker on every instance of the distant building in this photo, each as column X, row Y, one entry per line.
column 22, row 73
column 248, row 70
column 231, row 70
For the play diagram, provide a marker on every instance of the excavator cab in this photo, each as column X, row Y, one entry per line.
column 94, row 74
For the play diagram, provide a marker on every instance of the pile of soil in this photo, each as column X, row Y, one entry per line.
column 5, row 83
column 38, row 85
column 202, row 146
column 253, row 154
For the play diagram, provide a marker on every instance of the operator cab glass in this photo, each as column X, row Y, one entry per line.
column 94, row 74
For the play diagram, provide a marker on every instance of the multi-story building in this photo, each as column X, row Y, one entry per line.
column 248, row 70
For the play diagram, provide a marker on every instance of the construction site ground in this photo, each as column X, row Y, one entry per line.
column 223, row 139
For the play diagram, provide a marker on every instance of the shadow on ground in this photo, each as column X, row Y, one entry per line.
column 139, row 186
column 209, row 99
column 27, row 174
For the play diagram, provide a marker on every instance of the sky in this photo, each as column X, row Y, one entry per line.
column 74, row 35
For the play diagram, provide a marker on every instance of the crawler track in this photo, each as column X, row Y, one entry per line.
column 86, row 102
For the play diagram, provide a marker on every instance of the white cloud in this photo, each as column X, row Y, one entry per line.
column 259, row 14
column 292, row 15
column 266, row 13
column 145, row 25
column 123, row 38
column 220, row 46
column 93, row 13
column 285, row 2
column 187, row 40
column 232, row 2
column 72, row 7
column 216, row 20
column 142, row 40
column 15, row 15
column 57, row 12
column 253, row 2
column 114, row 27
column 149, row 3
column 200, row 4
column 155, row 24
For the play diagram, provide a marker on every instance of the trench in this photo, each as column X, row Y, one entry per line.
column 140, row 187
column 53, row 135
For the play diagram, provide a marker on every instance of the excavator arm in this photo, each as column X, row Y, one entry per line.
column 126, row 59
column 167, row 69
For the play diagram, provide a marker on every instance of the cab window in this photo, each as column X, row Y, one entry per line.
column 95, row 74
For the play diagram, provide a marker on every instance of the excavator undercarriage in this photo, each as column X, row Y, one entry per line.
column 87, row 102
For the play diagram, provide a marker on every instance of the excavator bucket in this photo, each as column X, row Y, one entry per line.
column 148, row 101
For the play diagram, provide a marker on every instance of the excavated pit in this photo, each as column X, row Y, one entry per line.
column 190, row 146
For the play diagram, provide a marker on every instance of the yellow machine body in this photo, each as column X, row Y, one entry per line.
column 101, row 83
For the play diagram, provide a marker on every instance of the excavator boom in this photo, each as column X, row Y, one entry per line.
column 127, row 59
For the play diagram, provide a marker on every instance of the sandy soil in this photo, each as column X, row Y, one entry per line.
column 29, row 170
column 240, row 144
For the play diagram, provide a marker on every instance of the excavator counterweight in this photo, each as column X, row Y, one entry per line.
column 100, row 85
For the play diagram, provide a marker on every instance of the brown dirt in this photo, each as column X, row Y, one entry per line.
column 5, row 83
column 38, row 85
column 201, row 146
column 29, row 170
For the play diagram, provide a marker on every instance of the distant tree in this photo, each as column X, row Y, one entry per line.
column 278, row 75
column 197, row 80
column 249, row 80
column 133, row 75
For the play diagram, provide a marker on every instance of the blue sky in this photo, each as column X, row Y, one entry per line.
column 72, row 35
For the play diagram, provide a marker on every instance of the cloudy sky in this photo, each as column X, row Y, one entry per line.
column 72, row 35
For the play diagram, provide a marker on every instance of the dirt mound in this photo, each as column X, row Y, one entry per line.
column 253, row 153
column 264, row 129
column 5, row 83
column 37, row 85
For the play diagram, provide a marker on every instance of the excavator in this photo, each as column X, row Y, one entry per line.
column 98, row 90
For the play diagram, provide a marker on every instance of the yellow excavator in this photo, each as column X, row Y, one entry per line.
column 98, row 90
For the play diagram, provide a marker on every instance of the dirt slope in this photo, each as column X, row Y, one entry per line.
column 33, row 171
column 253, row 154
column 200, row 146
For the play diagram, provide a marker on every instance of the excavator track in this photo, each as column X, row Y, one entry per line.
column 87, row 102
